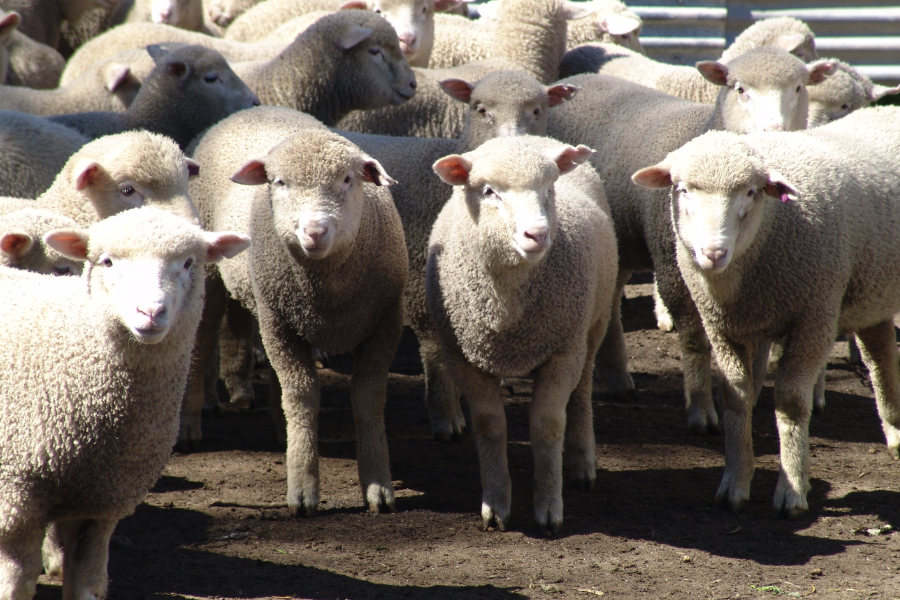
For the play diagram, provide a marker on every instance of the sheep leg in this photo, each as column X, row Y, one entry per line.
column 441, row 396
column 735, row 362
column 554, row 383
column 489, row 427
column 85, row 555
column 236, row 338
column 819, row 393
column 276, row 412
column 612, row 357
column 291, row 358
column 664, row 320
column 52, row 551
column 190, row 433
column 20, row 559
column 580, row 448
column 879, row 352
column 368, row 392
column 760, row 368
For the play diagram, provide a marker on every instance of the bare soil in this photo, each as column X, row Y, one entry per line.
column 215, row 525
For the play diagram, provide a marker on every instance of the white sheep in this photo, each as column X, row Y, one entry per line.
column 8, row 24
column 184, row 14
column 412, row 19
column 190, row 89
column 115, row 173
column 33, row 151
column 786, row 33
column 84, row 441
column 22, row 242
column 845, row 91
column 41, row 19
column 317, row 208
column 530, row 37
column 520, row 278
column 816, row 258
column 764, row 89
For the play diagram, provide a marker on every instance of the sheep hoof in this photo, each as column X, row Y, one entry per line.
column 549, row 526
column 624, row 395
column 187, row 446
column 583, row 482
column 302, row 510
column 451, row 434
column 380, row 498
column 492, row 520
column 819, row 406
column 507, row 387
column 735, row 505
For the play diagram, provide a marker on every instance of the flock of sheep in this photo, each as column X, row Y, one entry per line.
column 491, row 183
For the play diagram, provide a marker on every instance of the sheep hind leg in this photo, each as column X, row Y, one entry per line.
column 696, row 360
column 612, row 357
column 237, row 337
column 86, row 553
column 441, row 394
column 20, row 559
column 879, row 352
column 368, row 392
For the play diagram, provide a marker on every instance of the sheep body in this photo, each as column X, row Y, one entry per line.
column 84, row 440
column 837, row 186
column 520, row 280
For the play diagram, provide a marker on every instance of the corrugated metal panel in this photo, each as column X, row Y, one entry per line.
column 867, row 37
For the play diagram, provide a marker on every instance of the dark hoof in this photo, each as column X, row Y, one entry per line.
column 505, row 386
column 187, row 446
column 582, row 484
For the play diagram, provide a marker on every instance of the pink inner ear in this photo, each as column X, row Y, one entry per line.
column 69, row 243
column 87, row 177
column 252, row 173
column 713, row 71
column 560, row 93
column 193, row 167
column 15, row 244
column 176, row 68
column 453, row 170
column 354, row 5
column 785, row 198
column 653, row 177
column 457, row 89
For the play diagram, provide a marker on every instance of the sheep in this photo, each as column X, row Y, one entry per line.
column 531, row 39
column 184, row 14
column 41, row 19
column 458, row 40
column 307, row 201
column 786, row 33
column 107, row 86
column 115, row 173
column 8, row 24
column 738, row 253
column 224, row 12
column 33, row 64
column 190, row 89
column 22, row 242
column 412, row 19
column 520, row 278
column 84, row 441
column 843, row 92
column 32, row 151
column 663, row 123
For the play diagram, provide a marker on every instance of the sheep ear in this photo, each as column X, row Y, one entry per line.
column 572, row 11
column 373, row 172
column 457, row 89
column 252, row 173
column 821, row 70
column 656, row 177
column 354, row 36
column 570, row 157
column 178, row 69
column 87, row 173
column 16, row 243
column 453, row 169
column 193, row 167
column 354, row 5
column 713, row 71
column 790, row 41
column 8, row 25
column 225, row 244
column 880, row 91
column 157, row 51
column 445, row 5
column 71, row 243
column 115, row 75
column 618, row 25
column 560, row 93
column 780, row 188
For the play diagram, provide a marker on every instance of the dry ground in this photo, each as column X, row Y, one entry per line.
column 214, row 526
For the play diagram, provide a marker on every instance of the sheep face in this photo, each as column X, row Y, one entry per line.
column 622, row 30
column 22, row 245
column 765, row 89
column 145, row 279
column 316, row 186
column 414, row 23
column 719, row 189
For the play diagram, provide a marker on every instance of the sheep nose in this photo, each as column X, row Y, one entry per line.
column 413, row 84
column 540, row 234
column 316, row 233
column 407, row 41
column 153, row 310
column 715, row 255
column 256, row 101
column 774, row 127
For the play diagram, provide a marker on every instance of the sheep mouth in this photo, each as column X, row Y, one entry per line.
column 151, row 334
column 401, row 97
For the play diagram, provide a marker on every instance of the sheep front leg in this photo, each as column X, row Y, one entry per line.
column 368, row 392
column 580, row 448
column 85, row 556
column 879, row 352
column 291, row 358
column 441, row 396
column 554, row 382
column 20, row 558
column 489, row 426
column 735, row 362
column 612, row 357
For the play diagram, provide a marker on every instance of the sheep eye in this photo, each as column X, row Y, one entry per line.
column 188, row 263
column 377, row 11
column 128, row 191
column 798, row 89
column 279, row 181
column 537, row 112
column 751, row 192
column 347, row 179
column 211, row 77
column 481, row 110
column 375, row 51
column 488, row 191
column 740, row 90
column 845, row 106
column 62, row 270
column 106, row 261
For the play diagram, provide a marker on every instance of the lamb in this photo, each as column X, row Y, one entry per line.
column 520, row 278
column 312, row 212
column 531, row 38
column 115, row 173
column 191, row 89
column 845, row 91
column 131, row 321
column 737, row 252
column 33, row 64
column 22, row 243
column 32, row 151
column 786, row 33
column 412, row 19
column 184, row 14
column 41, row 19
column 458, row 40
column 663, row 123
column 8, row 24
column 107, row 86
column 224, row 12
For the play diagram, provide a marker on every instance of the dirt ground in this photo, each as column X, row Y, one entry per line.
column 215, row 525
